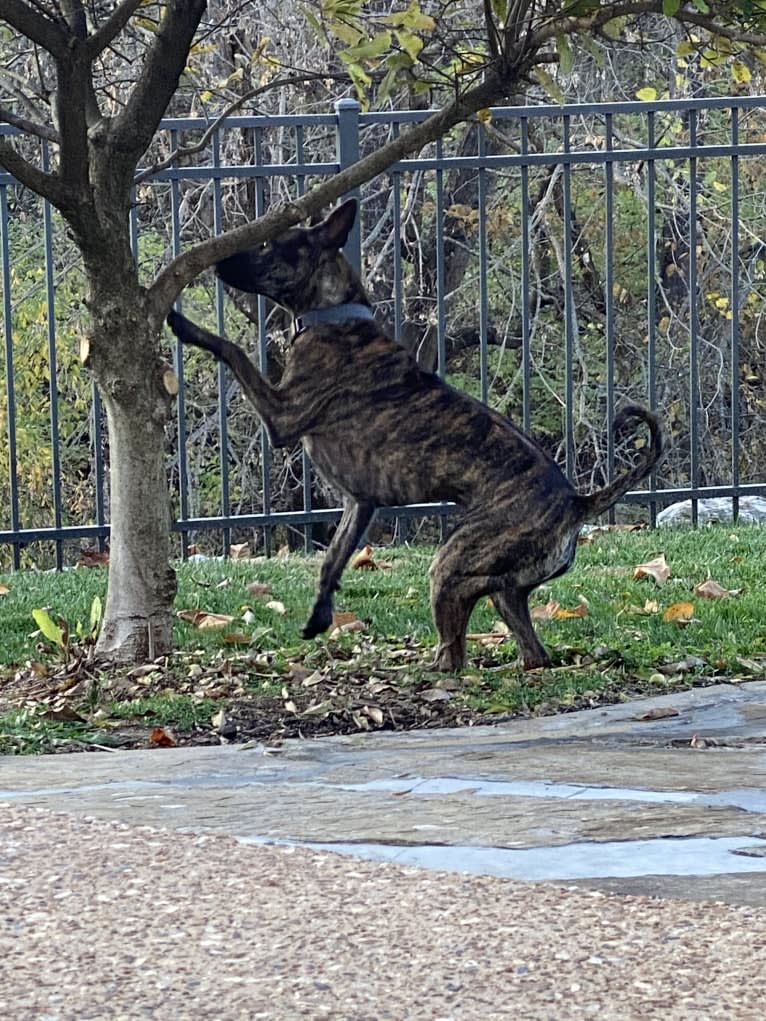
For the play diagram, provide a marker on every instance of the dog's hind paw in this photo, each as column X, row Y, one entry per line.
column 319, row 621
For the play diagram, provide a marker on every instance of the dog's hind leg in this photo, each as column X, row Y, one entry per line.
column 511, row 603
column 458, row 580
column 356, row 518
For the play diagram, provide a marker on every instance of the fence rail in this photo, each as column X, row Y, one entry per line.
column 552, row 261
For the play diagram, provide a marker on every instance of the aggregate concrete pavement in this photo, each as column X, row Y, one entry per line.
column 139, row 884
column 622, row 798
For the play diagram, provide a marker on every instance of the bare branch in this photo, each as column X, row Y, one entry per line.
column 189, row 150
column 112, row 27
column 134, row 128
column 34, row 26
column 49, row 186
column 29, row 127
column 184, row 268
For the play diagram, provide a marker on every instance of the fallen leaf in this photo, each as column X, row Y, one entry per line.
column 240, row 551
column 435, row 695
column 319, row 709
column 93, row 558
column 660, row 713
column 203, row 620
column 712, row 590
column 162, row 738
column 657, row 569
column 363, row 560
column 679, row 613
column 258, row 589
column 277, row 607
column 375, row 714
column 651, row 606
column 343, row 629
column 581, row 610
column 750, row 666
column 290, row 706
column 682, row 666
column 343, row 617
column 4, row 590
column 545, row 612
column 237, row 638
column 64, row 713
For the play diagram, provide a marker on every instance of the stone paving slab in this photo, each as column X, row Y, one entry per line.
column 597, row 797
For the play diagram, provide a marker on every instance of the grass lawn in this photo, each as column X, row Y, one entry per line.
column 609, row 633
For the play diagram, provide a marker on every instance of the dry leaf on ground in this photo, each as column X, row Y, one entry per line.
column 277, row 607
column 258, row 589
column 4, row 590
column 239, row 551
column 712, row 590
column 657, row 569
column 363, row 560
column 660, row 713
column 679, row 613
column 546, row 611
column 203, row 620
column 162, row 738
column 93, row 558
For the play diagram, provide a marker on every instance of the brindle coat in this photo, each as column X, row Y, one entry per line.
column 385, row 432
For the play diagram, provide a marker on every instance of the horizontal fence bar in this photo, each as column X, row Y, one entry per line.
column 413, row 173
column 318, row 516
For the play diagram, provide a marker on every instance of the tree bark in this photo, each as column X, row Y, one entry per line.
column 123, row 353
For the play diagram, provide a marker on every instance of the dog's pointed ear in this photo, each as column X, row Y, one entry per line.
column 336, row 228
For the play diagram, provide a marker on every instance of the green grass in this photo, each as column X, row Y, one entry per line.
column 616, row 650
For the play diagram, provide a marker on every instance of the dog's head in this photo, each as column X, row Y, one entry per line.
column 298, row 267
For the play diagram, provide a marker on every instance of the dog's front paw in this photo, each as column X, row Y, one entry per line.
column 178, row 324
column 320, row 619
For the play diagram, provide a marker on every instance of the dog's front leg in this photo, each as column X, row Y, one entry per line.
column 356, row 518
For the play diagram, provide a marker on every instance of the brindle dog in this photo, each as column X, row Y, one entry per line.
column 385, row 432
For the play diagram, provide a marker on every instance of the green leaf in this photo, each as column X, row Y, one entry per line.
column 647, row 94
column 549, row 86
column 95, row 615
column 49, row 627
column 371, row 49
column 671, row 7
column 564, row 50
column 411, row 44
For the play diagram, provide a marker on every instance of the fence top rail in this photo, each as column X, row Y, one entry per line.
column 551, row 111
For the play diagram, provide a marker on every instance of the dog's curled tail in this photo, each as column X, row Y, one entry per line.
column 600, row 501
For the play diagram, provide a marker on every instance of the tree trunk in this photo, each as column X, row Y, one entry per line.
column 137, row 388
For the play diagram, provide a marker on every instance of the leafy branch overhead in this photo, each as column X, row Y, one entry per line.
column 447, row 57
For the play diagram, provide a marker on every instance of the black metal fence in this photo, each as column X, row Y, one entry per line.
column 551, row 260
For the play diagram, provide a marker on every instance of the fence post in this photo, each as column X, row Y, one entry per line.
column 347, row 148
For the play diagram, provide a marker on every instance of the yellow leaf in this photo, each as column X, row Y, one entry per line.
column 578, row 611
column 679, row 613
column 740, row 72
column 485, row 116
column 719, row 186
column 646, row 95
column 4, row 590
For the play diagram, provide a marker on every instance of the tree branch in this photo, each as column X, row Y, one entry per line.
column 111, row 28
column 189, row 150
column 134, row 128
column 34, row 26
column 184, row 268
column 29, row 127
column 50, row 186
